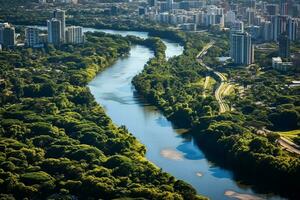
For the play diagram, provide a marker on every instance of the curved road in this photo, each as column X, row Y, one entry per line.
column 220, row 91
column 288, row 145
column 223, row 85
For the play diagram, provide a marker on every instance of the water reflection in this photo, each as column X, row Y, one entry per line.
column 189, row 151
column 169, row 148
column 163, row 122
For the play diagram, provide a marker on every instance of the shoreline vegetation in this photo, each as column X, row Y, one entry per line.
column 228, row 139
column 57, row 142
column 225, row 138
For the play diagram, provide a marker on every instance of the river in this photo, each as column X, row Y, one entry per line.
column 166, row 147
column 175, row 154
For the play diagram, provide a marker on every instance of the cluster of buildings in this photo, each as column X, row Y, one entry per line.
column 58, row 33
column 248, row 22
column 280, row 65
column 261, row 17
column 59, row 1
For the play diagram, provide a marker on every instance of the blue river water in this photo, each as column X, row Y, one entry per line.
column 166, row 146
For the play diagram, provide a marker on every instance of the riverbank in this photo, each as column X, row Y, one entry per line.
column 173, row 87
column 57, row 142
column 167, row 147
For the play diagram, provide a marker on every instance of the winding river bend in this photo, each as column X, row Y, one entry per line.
column 166, row 147
column 175, row 154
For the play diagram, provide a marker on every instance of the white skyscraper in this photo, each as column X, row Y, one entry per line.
column 60, row 15
column 54, row 31
column 74, row 35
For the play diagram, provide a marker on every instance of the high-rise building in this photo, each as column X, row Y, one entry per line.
column 43, row 38
column 272, row 9
column 230, row 17
column 279, row 26
column 152, row 3
column 258, row 20
column 54, row 31
column 241, row 48
column 1, row 33
column 170, row 4
column 74, row 35
column 296, row 10
column 250, row 16
column 237, row 26
column 292, row 27
column 252, row 4
column 284, row 46
column 31, row 37
column 283, row 7
column 282, row 24
column 210, row 20
column 266, row 30
column 220, row 20
column 274, row 27
column 8, row 35
column 60, row 15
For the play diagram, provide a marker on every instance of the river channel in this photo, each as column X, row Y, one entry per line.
column 166, row 147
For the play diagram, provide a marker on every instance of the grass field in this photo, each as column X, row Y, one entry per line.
column 289, row 134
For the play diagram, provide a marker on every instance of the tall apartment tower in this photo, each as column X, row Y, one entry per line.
column 250, row 16
column 279, row 26
column 54, row 31
column 1, row 32
column 230, row 17
column 7, row 35
column 283, row 7
column 272, row 9
column 266, row 30
column 61, row 16
column 152, row 3
column 292, row 28
column 237, row 26
column 284, row 46
column 252, row 4
column 170, row 4
column 31, row 37
column 241, row 48
column 74, row 35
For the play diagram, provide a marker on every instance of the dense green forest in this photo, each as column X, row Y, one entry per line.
column 230, row 139
column 56, row 141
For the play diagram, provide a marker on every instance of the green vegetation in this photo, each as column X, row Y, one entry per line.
column 291, row 135
column 52, row 129
column 231, row 139
column 173, row 85
column 56, row 142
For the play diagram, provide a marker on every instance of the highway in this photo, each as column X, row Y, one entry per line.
column 288, row 145
column 224, row 87
column 223, row 106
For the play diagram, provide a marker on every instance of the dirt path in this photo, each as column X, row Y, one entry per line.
column 205, row 85
column 288, row 145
